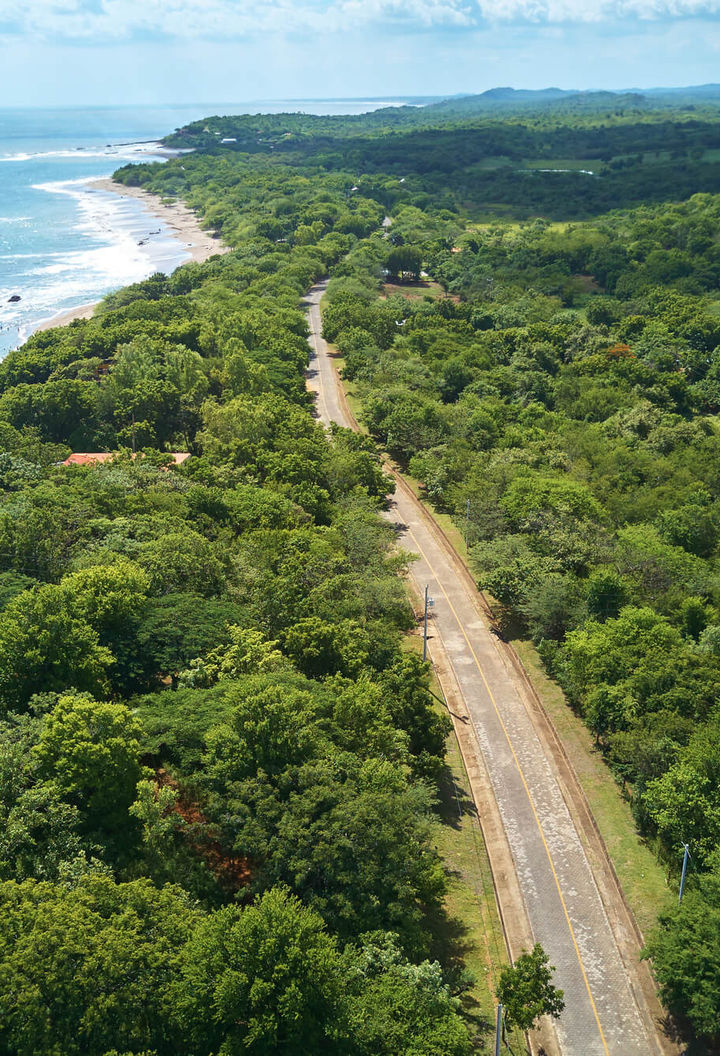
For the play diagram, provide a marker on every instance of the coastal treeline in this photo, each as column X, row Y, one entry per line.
column 217, row 754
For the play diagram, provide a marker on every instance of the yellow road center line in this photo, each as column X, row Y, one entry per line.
column 321, row 388
column 525, row 785
column 510, row 745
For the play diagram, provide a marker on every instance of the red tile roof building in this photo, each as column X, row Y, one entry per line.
column 93, row 458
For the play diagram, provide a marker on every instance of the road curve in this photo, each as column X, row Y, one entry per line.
column 605, row 1014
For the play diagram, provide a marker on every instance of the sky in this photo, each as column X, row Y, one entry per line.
column 75, row 52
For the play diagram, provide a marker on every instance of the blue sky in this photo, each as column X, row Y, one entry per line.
column 164, row 51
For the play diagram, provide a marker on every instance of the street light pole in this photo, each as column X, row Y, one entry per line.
column 425, row 625
column 498, row 1029
column 686, row 858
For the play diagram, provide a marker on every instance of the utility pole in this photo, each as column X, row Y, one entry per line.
column 498, row 1029
column 429, row 602
column 686, row 858
column 425, row 624
column 467, row 523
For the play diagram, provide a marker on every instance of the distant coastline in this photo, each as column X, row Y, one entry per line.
column 68, row 235
column 184, row 224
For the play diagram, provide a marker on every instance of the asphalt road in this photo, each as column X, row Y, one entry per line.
column 559, row 891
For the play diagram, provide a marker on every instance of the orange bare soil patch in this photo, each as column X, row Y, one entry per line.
column 231, row 872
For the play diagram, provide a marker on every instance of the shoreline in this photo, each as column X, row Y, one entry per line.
column 182, row 221
column 196, row 243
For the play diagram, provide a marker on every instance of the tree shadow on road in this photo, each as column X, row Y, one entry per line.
column 451, row 940
column 454, row 801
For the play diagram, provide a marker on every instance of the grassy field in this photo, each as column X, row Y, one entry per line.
column 515, row 225
column 414, row 291
column 581, row 164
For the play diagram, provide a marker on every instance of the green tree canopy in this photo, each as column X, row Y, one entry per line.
column 90, row 751
column 526, row 990
column 45, row 646
column 265, row 979
column 684, row 951
column 86, row 967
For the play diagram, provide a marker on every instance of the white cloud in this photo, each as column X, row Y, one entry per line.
column 593, row 10
column 113, row 20
column 221, row 18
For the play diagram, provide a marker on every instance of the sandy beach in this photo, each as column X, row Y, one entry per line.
column 185, row 224
column 182, row 222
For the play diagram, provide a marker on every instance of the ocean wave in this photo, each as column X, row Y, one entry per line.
column 14, row 219
column 118, row 150
column 115, row 240
column 84, row 276
column 127, row 244
column 109, row 218
column 29, row 256
column 72, row 187
column 130, row 237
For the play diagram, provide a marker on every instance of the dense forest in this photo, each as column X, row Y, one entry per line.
column 217, row 758
column 219, row 755
column 577, row 155
column 562, row 404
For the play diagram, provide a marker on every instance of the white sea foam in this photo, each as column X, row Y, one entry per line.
column 127, row 243
column 28, row 256
column 112, row 240
column 118, row 150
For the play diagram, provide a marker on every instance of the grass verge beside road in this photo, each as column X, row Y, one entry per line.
column 642, row 879
column 470, row 899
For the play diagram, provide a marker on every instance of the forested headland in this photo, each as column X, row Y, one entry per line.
column 218, row 755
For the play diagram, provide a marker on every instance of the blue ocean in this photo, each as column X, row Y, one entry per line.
column 64, row 243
